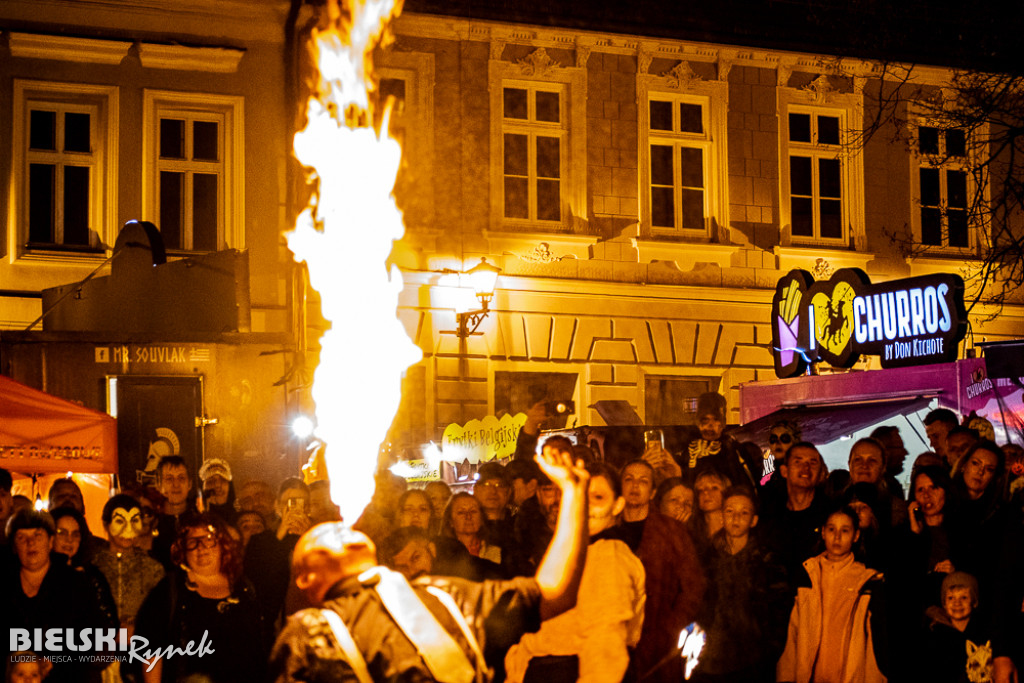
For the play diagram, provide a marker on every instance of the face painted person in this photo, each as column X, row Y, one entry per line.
column 130, row 572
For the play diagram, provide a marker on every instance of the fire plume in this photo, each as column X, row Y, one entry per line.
column 345, row 237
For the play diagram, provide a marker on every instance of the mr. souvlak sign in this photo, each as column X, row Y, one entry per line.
column 906, row 322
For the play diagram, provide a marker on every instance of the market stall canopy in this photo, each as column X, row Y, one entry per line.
column 825, row 422
column 40, row 433
column 960, row 386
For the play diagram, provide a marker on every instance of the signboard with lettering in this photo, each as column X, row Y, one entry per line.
column 149, row 354
column 482, row 440
column 40, row 433
column 914, row 321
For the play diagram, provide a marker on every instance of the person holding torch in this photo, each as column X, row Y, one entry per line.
column 373, row 625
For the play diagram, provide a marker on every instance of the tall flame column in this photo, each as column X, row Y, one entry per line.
column 345, row 237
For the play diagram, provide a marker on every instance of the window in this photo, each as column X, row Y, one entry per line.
column 533, row 142
column 65, row 150
column 407, row 78
column 941, row 175
column 193, row 160
column 815, row 176
column 822, row 174
column 517, row 392
column 683, row 153
column 679, row 149
column 673, row 400
column 538, row 145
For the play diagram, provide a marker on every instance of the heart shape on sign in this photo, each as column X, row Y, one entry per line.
column 833, row 318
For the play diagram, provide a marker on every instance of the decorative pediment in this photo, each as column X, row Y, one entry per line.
column 541, row 254
column 822, row 269
column 820, row 89
column 538, row 63
column 681, row 76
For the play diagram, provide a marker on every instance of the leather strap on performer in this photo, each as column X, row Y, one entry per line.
column 348, row 645
column 440, row 652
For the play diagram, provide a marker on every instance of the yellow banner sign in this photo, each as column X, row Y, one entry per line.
column 482, row 440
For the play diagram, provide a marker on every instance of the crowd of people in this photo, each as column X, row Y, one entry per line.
column 798, row 575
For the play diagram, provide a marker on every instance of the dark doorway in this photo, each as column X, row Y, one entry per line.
column 156, row 416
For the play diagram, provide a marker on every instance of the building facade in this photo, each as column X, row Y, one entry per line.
column 641, row 194
column 642, row 197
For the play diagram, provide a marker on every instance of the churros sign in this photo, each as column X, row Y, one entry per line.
column 905, row 322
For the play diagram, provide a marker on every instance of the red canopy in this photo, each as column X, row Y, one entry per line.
column 40, row 433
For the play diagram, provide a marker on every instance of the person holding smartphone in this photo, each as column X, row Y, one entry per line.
column 268, row 555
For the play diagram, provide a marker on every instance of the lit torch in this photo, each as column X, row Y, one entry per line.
column 345, row 237
column 691, row 643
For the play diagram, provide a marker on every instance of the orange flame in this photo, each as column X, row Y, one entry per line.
column 345, row 238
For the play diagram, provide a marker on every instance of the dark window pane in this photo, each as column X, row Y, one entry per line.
column 663, row 208
column 931, row 226
column 204, row 212
column 691, row 119
column 831, row 218
column 930, row 187
column 828, row 178
column 42, row 130
column 515, row 103
column 956, row 188
column 693, row 209
column 800, row 127
column 76, row 133
column 800, row 176
column 661, row 115
column 547, row 106
column 76, row 205
column 956, row 143
column 691, row 164
column 172, row 139
column 957, row 228
column 515, row 154
column 828, row 130
column 171, row 195
column 516, row 198
column 928, row 138
column 662, row 165
column 548, row 158
column 204, row 141
column 549, row 200
column 40, row 202
column 803, row 217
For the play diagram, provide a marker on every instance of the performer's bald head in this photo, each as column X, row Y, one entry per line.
column 327, row 554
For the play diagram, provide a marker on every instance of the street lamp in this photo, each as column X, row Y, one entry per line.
column 482, row 278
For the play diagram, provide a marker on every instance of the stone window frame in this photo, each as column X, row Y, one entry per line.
column 417, row 70
column 102, row 102
column 918, row 118
column 682, row 85
column 541, row 69
column 819, row 97
column 228, row 109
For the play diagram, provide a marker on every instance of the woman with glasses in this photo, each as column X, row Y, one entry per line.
column 129, row 571
column 781, row 435
column 204, row 606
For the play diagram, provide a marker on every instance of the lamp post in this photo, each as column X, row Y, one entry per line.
column 482, row 277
